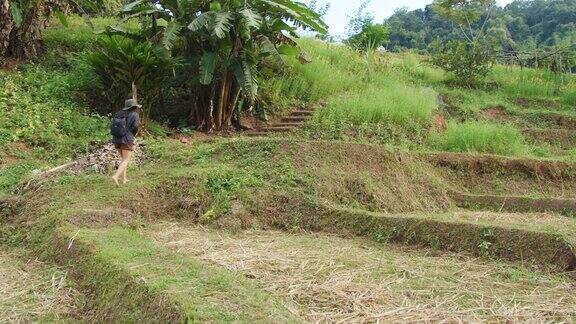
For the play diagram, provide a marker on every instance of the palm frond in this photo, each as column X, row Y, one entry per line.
column 207, row 67
column 299, row 13
column 222, row 24
column 253, row 19
column 171, row 34
column 202, row 21
column 266, row 46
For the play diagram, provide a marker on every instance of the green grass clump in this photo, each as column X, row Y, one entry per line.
column 480, row 137
column 333, row 69
column 529, row 83
column 569, row 98
column 394, row 102
column 415, row 67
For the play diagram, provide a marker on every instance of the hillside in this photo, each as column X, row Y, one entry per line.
column 375, row 191
column 527, row 25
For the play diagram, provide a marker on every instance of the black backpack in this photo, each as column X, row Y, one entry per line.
column 119, row 127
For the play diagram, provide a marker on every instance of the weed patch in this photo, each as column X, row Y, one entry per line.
column 480, row 137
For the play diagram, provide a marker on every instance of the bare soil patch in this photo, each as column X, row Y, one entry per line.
column 483, row 164
column 498, row 113
column 562, row 137
column 325, row 278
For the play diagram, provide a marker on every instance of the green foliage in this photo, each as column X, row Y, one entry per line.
column 333, row 69
column 470, row 62
column 23, row 22
column 227, row 42
column 121, row 62
column 526, row 27
column 569, row 98
column 393, row 102
column 481, row 137
column 532, row 83
column 371, row 37
column 462, row 12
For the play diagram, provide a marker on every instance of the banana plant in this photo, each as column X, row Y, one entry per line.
column 225, row 42
column 22, row 23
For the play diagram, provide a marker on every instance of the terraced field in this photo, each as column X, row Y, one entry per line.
column 313, row 231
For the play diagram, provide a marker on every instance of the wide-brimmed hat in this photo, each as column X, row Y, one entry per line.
column 131, row 103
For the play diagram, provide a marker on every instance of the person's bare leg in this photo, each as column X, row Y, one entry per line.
column 126, row 159
column 116, row 176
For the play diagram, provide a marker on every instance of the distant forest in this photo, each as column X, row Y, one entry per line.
column 524, row 25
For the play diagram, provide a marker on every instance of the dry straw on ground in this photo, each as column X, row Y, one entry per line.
column 328, row 279
column 32, row 292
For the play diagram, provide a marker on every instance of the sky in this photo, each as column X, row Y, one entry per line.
column 337, row 16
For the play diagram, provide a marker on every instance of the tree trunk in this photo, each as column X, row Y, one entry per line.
column 25, row 41
column 6, row 26
column 213, row 107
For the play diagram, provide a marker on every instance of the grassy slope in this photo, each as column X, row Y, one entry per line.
column 43, row 119
column 238, row 184
column 396, row 102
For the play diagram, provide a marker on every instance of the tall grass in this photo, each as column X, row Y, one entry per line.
column 333, row 69
column 480, row 137
column 531, row 83
column 416, row 69
column 388, row 102
column 569, row 98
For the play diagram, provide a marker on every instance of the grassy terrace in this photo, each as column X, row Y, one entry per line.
column 233, row 186
column 403, row 198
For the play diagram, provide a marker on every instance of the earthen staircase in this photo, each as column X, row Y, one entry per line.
column 290, row 123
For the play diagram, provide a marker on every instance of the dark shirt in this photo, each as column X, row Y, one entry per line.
column 132, row 125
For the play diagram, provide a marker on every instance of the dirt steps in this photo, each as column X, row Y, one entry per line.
column 485, row 163
column 544, row 249
column 565, row 207
column 287, row 124
column 563, row 137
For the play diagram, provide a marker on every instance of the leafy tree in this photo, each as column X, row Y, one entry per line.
column 223, row 44
column 22, row 23
column 471, row 58
column 371, row 37
column 524, row 28
column 468, row 61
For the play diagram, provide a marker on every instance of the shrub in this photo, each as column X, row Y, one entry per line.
column 480, row 137
column 121, row 62
column 470, row 62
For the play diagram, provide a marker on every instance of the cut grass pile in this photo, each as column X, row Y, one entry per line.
column 31, row 291
column 481, row 137
column 324, row 278
column 202, row 293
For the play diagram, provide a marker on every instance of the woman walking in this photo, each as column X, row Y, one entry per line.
column 124, row 128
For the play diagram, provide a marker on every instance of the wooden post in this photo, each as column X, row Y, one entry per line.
column 134, row 92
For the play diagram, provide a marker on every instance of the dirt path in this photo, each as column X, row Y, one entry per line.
column 325, row 278
column 31, row 291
